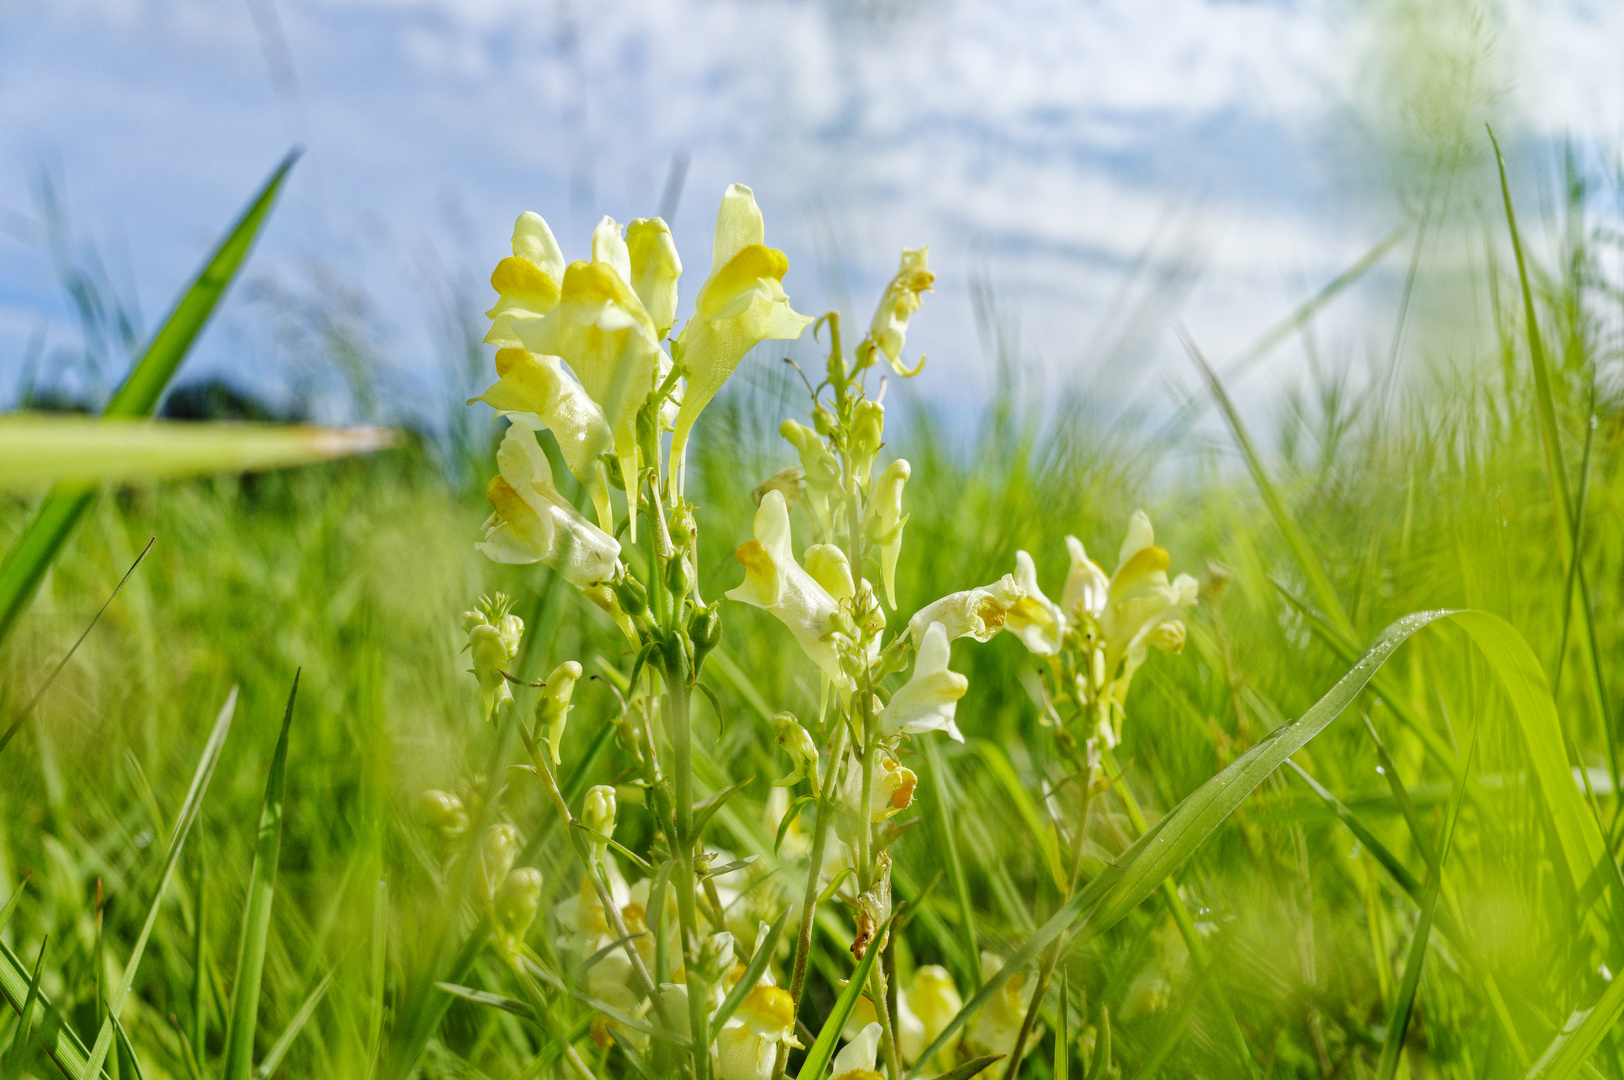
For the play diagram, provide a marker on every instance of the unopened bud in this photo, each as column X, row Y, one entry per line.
column 1169, row 636
column 867, row 436
column 715, row 956
column 516, row 901
column 830, row 568
column 471, row 619
column 442, row 812
column 705, row 631
column 648, row 430
column 824, row 420
column 497, row 850
column 632, row 595
column 553, row 706
column 679, row 578
column 798, row 744
column 684, row 529
column 598, row 811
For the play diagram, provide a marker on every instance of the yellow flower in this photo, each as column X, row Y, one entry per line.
column 601, row 329
column 533, row 523
column 1035, row 619
column 886, row 522
column 741, row 304
column 536, row 391
column 933, row 1001
column 892, row 791
column 553, row 704
column 819, row 469
column 1087, row 590
column 856, row 1059
column 996, row 1027
column 978, row 613
column 900, row 301
column 1142, row 606
column 829, row 566
column 931, row 695
column 747, row 1046
column 527, row 282
column 775, row 582
column 655, row 270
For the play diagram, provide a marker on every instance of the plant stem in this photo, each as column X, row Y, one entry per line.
column 676, row 696
column 809, row 902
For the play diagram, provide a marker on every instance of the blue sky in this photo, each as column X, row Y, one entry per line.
column 1242, row 152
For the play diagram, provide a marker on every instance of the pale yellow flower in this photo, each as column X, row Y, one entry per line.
column 798, row 744
column 528, row 281
column 933, row 1001
column 1035, row 619
column 995, row 1028
column 856, row 1059
column 532, row 522
column 775, row 582
column 900, row 301
column 891, row 793
column 1142, row 606
column 537, row 392
column 741, row 304
column 600, row 328
column 655, row 270
column 819, row 469
column 928, row 700
column 747, row 1046
column 978, row 613
column 829, row 566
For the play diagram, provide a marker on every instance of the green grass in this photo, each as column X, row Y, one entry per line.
column 1456, row 887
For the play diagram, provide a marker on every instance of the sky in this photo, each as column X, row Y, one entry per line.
column 1103, row 170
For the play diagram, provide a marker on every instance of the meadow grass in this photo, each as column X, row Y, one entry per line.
column 1408, row 864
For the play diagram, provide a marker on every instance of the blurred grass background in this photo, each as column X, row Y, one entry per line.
column 1425, row 491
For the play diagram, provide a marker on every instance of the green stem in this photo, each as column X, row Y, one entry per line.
column 676, row 696
column 809, row 902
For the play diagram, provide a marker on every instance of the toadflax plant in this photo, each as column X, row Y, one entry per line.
column 680, row 975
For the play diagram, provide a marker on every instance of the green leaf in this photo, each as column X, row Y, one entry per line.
column 942, row 821
column 16, row 895
column 1062, row 1029
column 494, row 1001
column 705, row 810
column 58, row 1039
column 1102, row 1047
column 256, row 924
column 17, row 1053
column 823, row 1047
column 183, row 826
column 40, row 450
column 37, row 547
column 380, row 969
column 794, row 811
column 974, row 1067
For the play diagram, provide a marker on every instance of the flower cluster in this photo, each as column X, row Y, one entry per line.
column 681, row 968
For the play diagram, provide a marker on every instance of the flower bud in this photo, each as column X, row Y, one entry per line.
column 442, row 812
column 471, row 619
column 516, row 901
column 684, row 529
column 598, row 811
column 553, row 706
column 1169, row 636
column 824, row 420
column 632, row 595
column 867, row 429
column 715, row 956
column 830, row 568
column 497, row 850
column 679, row 578
column 798, row 744
column 705, row 631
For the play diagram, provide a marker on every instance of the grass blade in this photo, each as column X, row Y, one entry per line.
column 1399, row 1022
column 942, row 822
column 200, row 960
column 183, row 825
column 1062, row 1034
column 16, row 896
column 62, row 663
column 31, row 555
column 58, row 1039
column 257, row 917
column 17, row 1053
column 279, row 1049
column 823, row 1047
column 1102, row 1047
column 380, row 969
column 39, row 450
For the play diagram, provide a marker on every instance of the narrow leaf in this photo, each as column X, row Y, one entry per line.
column 823, row 1047
column 183, row 826
column 284, row 1042
column 257, row 915
column 752, row 972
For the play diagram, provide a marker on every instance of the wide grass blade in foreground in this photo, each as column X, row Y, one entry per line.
column 37, row 450
column 256, row 924
column 33, row 552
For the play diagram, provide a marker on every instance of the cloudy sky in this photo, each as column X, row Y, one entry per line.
column 1106, row 167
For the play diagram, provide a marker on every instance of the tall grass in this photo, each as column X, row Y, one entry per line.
column 1410, row 868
